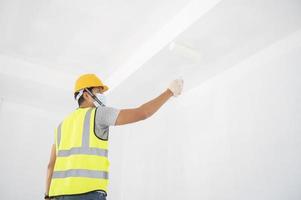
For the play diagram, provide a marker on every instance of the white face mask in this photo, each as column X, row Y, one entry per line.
column 102, row 98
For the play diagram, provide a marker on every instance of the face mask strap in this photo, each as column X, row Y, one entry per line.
column 94, row 97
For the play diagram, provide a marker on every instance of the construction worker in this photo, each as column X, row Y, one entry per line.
column 79, row 165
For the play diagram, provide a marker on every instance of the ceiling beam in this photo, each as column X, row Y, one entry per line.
column 179, row 23
column 20, row 68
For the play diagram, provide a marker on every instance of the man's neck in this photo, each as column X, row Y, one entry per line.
column 86, row 106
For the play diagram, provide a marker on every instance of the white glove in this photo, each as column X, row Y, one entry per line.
column 176, row 87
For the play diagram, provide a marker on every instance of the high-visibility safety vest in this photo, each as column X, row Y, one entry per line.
column 82, row 163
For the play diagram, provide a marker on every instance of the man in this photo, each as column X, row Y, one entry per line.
column 78, row 167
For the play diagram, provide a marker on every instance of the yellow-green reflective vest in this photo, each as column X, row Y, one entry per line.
column 82, row 163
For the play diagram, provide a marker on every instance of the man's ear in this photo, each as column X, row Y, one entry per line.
column 86, row 96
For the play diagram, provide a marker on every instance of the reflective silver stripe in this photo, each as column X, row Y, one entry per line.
column 80, row 173
column 59, row 131
column 79, row 150
column 86, row 130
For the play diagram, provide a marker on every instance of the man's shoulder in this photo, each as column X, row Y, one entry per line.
column 106, row 116
column 73, row 113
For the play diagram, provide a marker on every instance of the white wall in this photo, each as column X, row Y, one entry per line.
column 26, row 137
column 236, row 136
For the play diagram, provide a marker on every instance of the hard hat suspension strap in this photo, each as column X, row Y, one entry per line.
column 94, row 97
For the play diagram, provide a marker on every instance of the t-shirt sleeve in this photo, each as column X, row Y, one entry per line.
column 105, row 117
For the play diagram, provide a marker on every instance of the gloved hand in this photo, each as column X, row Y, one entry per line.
column 176, row 87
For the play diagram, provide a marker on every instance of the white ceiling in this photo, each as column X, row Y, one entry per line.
column 77, row 36
column 45, row 45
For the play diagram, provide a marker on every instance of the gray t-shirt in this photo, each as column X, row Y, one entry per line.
column 104, row 117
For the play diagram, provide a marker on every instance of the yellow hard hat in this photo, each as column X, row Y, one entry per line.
column 89, row 80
